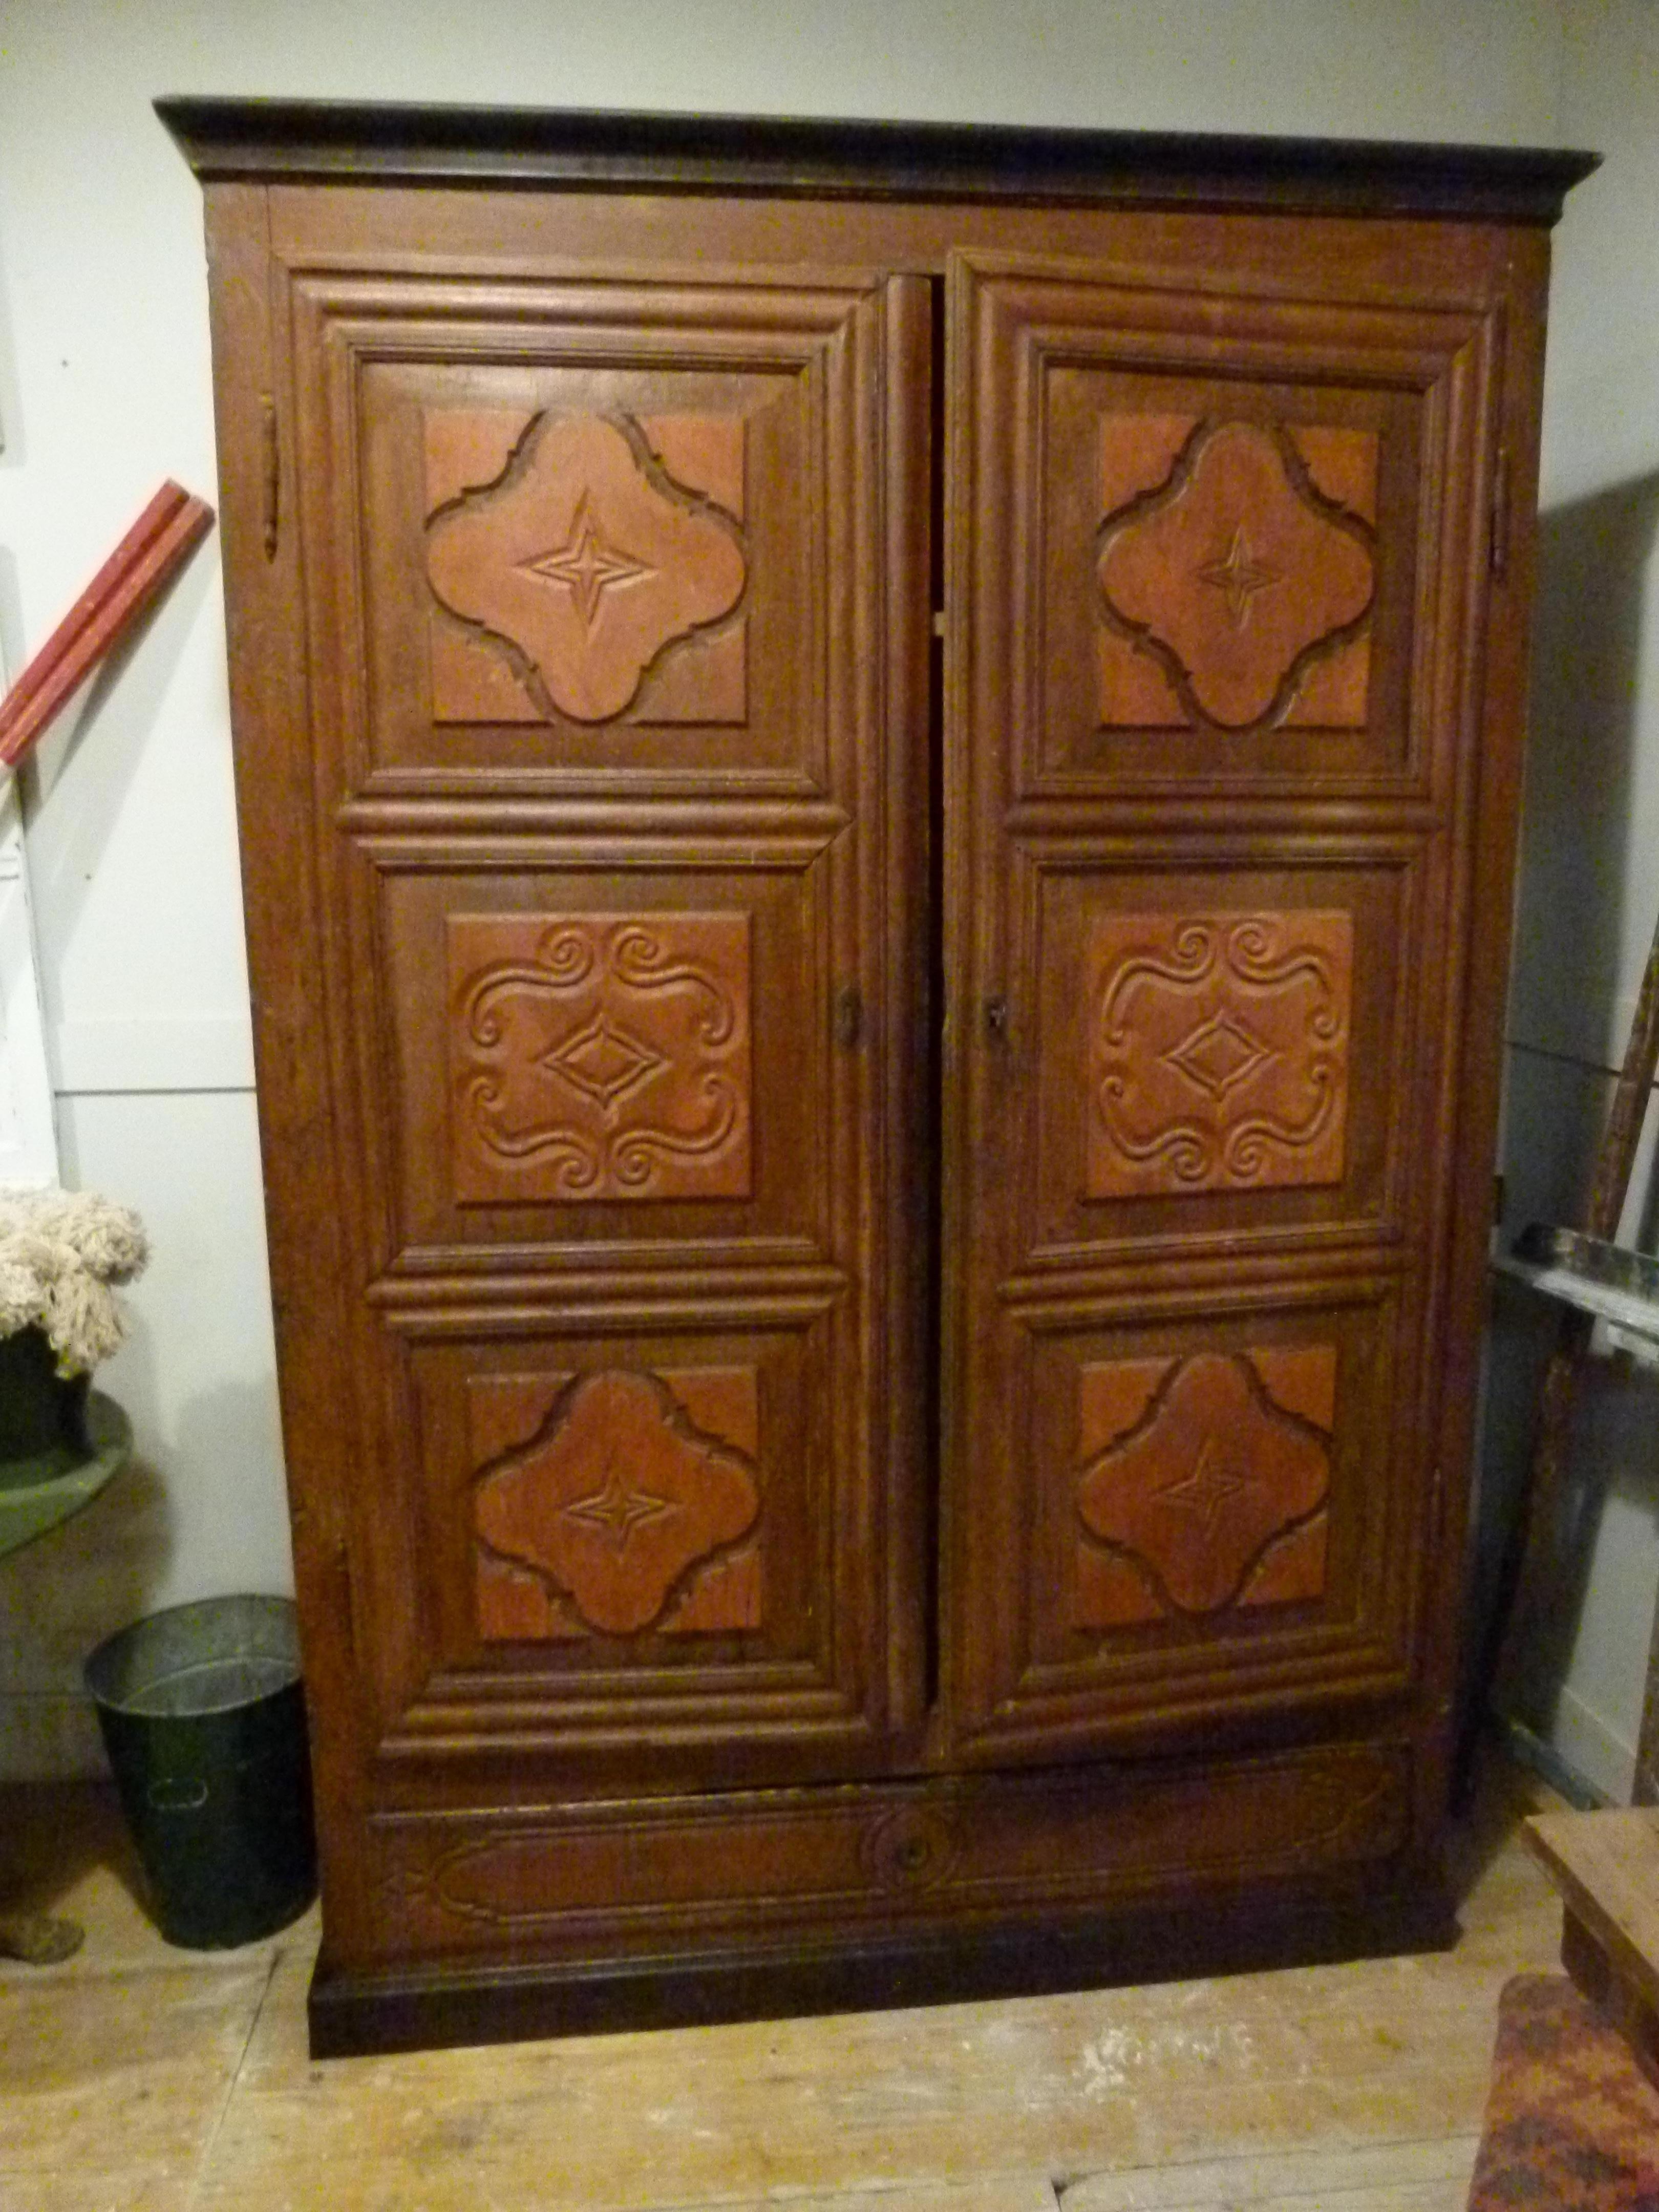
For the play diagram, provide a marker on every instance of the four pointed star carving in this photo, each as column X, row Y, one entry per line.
column 614, row 1511
column 588, row 565
column 1239, row 576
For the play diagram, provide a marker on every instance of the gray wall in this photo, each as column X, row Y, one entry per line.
column 1589, row 878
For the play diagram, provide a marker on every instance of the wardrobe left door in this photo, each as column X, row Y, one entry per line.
column 578, row 617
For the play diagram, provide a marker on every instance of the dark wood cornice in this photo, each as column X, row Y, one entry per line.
column 599, row 150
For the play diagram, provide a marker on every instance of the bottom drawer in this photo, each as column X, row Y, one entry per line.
column 490, row 1925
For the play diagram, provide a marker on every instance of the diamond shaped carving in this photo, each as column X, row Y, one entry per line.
column 603, row 1061
column 625, row 1510
column 1237, row 570
column 1221, row 1053
column 1218, row 1051
column 570, row 559
column 599, row 1056
column 1205, row 1483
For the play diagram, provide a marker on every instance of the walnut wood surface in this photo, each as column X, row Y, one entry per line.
column 1606, row 1866
column 603, row 149
column 877, row 836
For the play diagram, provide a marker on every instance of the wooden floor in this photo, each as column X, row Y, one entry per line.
column 135, row 2078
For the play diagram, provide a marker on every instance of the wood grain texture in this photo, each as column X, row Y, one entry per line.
column 1606, row 1865
column 582, row 560
column 876, row 1854
column 1218, row 1051
column 602, row 568
column 919, row 672
column 1242, row 576
column 597, row 1057
column 1213, row 1489
column 617, row 1505
column 602, row 148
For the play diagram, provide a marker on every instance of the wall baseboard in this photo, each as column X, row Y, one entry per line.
column 1591, row 1748
column 1531, row 1752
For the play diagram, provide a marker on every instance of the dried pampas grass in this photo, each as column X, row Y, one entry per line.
column 60, row 1252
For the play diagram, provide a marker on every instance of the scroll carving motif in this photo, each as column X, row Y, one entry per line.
column 1205, row 1483
column 1236, row 571
column 1218, row 1051
column 628, row 1509
column 572, row 556
column 599, row 1056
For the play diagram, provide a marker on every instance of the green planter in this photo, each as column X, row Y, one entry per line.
column 58, row 1444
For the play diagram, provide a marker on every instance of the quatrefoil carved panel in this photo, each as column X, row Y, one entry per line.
column 1218, row 1051
column 1205, row 1483
column 1236, row 571
column 627, row 1509
column 599, row 1056
column 576, row 553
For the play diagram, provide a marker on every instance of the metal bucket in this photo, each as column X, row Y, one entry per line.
column 204, row 1720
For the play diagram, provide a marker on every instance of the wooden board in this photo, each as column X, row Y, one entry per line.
column 1606, row 1866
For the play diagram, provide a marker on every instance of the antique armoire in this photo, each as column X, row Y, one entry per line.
column 877, row 770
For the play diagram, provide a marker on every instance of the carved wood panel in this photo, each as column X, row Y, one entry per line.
column 1218, row 1051
column 558, row 780
column 627, row 540
column 1204, row 1483
column 1204, row 576
column 727, row 1861
column 627, row 1542
column 570, row 556
column 599, row 1056
column 1198, row 1504
column 626, row 1500
column 1236, row 570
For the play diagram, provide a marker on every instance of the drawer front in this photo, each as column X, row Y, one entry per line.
column 764, row 1869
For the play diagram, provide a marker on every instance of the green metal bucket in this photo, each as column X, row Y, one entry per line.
column 204, row 1720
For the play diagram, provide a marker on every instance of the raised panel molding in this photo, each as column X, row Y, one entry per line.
column 570, row 555
column 1205, row 1483
column 1236, row 570
column 879, row 1851
column 873, row 849
column 623, row 1508
column 599, row 1056
column 1218, row 1051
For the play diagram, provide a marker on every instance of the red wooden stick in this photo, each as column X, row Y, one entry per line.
column 140, row 566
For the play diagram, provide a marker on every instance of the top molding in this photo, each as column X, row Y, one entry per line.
column 595, row 149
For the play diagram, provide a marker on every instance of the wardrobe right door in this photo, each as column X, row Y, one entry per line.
column 1217, row 607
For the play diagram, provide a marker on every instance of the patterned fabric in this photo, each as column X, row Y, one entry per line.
column 1571, row 2124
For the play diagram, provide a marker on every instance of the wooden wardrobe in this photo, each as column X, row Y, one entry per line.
column 877, row 770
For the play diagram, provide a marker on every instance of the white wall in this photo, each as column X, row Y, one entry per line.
column 1589, row 883
column 104, row 389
